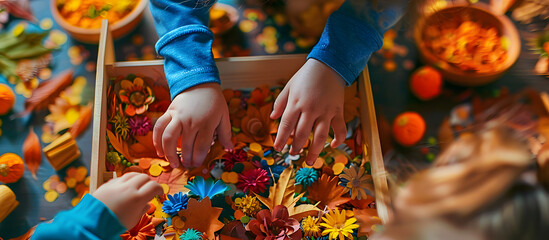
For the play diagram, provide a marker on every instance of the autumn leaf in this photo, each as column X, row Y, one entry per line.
column 46, row 92
column 327, row 192
column 201, row 216
column 176, row 179
column 366, row 219
column 282, row 193
column 83, row 121
column 119, row 145
column 32, row 152
column 143, row 147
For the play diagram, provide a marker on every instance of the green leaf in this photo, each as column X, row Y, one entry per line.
column 92, row 12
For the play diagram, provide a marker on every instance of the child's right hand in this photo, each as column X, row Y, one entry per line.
column 128, row 196
column 194, row 115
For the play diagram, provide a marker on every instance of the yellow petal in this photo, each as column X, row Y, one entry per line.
column 125, row 84
column 138, row 82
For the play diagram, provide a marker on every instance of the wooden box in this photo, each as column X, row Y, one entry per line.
column 235, row 73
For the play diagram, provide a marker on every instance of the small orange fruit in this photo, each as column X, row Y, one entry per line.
column 7, row 99
column 408, row 128
column 426, row 83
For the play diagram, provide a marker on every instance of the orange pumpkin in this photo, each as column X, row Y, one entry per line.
column 7, row 99
column 408, row 128
column 11, row 168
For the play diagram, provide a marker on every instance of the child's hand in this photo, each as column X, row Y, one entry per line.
column 314, row 96
column 194, row 115
column 127, row 196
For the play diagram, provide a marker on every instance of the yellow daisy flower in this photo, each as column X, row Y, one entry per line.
column 337, row 225
column 310, row 227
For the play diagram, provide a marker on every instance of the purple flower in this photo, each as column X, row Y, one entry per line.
column 140, row 125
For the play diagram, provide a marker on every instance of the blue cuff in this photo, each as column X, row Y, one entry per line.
column 90, row 219
column 352, row 34
column 188, row 59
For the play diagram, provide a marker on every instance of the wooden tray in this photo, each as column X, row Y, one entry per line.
column 235, row 73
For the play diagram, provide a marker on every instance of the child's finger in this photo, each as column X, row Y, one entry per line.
column 302, row 133
column 340, row 130
column 126, row 177
column 224, row 133
column 150, row 189
column 201, row 146
column 139, row 180
column 287, row 124
column 187, row 147
column 280, row 103
column 169, row 141
column 319, row 138
column 159, row 127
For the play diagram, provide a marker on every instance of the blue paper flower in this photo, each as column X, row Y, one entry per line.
column 191, row 234
column 306, row 176
column 208, row 188
column 175, row 203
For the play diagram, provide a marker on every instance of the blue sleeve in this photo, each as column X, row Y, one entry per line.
column 353, row 33
column 90, row 219
column 185, row 42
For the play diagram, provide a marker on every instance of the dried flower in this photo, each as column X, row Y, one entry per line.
column 113, row 157
column 136, row 95
column 140, row 126
column 254, row 180
column 337, row 225
column 191, row 234
column 357, row 181
column 174, row 203
column 234, row 156
column 276, row 225
column 208, row 188
column 121, row 127
column 306, row 176
column 248, row 204
column 311, row 227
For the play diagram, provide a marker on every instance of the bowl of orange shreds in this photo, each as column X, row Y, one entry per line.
column 470, row 45
column 82, row 18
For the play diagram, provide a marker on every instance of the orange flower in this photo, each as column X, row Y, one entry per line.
column 136, row 95
column 257, row 126
column 144, row 228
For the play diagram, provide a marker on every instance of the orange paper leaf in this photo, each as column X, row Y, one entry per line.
column 202, row 217
column 120, row 146
column 327, row 192
column 83, row 121
column 176, row 179
column 46, row 92
column 366, row 219
column 32, row 152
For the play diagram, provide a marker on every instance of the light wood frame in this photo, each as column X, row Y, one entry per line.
column 236, row 72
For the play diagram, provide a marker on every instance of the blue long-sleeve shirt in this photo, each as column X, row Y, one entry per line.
column 351, row 35
column 89, row 220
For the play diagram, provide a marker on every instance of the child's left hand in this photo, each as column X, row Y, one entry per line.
column 314, row 96
column 128, row 196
